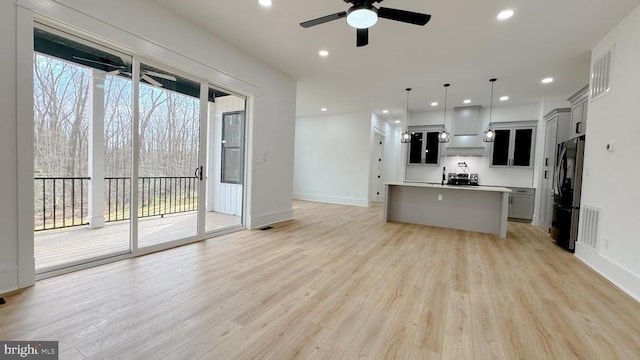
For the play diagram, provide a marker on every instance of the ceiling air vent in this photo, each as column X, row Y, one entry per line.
column 601, row 74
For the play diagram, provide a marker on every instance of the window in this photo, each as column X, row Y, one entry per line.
column 232, row 147
column 513, row 145
column 424, row 147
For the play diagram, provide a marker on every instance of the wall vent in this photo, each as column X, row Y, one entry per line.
column 601, row 74
column 590, row 226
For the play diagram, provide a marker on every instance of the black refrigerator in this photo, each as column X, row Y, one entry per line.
column 567, row 190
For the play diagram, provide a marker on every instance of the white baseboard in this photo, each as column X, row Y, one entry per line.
column 262, row 220
column 619, row 276
column 332, row 199
column 8, row 279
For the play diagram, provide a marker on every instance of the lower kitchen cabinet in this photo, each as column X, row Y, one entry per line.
column 521, row 202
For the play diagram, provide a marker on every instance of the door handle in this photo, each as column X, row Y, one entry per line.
column 198, row 173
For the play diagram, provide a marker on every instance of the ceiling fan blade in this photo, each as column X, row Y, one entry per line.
column 114, row 72
column 150, row 80
column 362, row 37
column 160, row 75
column 99, row 62
column 324, row 19
column 404, row 16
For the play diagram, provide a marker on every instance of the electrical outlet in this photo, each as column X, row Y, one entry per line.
column 439, row 197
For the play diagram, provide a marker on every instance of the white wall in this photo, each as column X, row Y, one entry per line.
column 146, row 29
column 487, row 175
column 609, row 176
column 332, row 155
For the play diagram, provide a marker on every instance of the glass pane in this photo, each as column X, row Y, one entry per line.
column 415, row 150
column 432, row 148
column 169, row 138
column 232, row 136
column 522, row 151
column 224, row 196
column 231, row 165
column 82, row 150
column 232, row 126
column 501, row 148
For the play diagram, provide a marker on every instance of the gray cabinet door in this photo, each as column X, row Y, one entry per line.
column 521, row 207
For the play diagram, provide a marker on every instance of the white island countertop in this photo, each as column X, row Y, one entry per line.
column 457, row 187
column 472, row 208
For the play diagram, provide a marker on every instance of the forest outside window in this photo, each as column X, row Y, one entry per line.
column 424, row 148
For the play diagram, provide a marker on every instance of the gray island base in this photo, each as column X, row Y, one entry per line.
column 473, row 208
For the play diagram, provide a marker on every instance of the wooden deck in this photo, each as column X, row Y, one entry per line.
column 70, row 246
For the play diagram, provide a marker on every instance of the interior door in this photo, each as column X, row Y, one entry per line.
column 379, row 168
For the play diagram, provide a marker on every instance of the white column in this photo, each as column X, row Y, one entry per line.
column 96, row 149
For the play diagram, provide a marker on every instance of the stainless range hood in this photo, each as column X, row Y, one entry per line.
column 466, row 139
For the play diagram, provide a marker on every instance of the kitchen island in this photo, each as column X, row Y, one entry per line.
column 474, row 208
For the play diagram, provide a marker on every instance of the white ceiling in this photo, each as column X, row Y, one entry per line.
column 463, row 44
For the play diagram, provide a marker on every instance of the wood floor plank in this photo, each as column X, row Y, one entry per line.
column 336, row 282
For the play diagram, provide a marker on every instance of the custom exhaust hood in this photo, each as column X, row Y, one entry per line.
column 466, row 139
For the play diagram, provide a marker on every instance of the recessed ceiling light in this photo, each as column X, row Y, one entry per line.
column 434, row 104
column 397, row 121
column 323, row 109
column 265, row 3
column 504, row 98
column 468, row 101
column 385, row 111
column 548, row 80
column 505, row 14
column 323, row 53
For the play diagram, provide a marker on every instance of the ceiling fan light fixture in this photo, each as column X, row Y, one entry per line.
column 362, row 16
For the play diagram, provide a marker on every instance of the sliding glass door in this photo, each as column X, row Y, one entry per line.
column 82, row 150
column 130, row 155
column 169, row 167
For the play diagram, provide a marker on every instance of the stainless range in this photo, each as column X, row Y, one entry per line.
column 462, row 179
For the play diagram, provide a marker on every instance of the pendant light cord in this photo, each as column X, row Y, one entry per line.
column 491, row 102
column 444, row 120
column 406, row 118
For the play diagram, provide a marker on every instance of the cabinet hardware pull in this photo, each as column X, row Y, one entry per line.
column 579, row 127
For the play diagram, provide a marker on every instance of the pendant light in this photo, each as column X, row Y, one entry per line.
column 406, row 137
column 443, row 136
column 490, row 135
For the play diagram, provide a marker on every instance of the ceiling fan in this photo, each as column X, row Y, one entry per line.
column 362, row 15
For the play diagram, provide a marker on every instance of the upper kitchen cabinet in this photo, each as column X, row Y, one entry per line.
column 513, row 145
column 579, row 103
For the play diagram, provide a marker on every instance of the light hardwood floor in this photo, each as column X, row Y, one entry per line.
column 336, row 283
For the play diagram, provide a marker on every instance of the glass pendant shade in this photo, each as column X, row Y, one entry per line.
column 405, row 138
column 489, row 135
column 443, row 136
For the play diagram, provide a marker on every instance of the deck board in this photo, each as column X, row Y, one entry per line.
column 57, row 248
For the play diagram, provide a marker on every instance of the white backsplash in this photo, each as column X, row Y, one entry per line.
column 487, row 176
